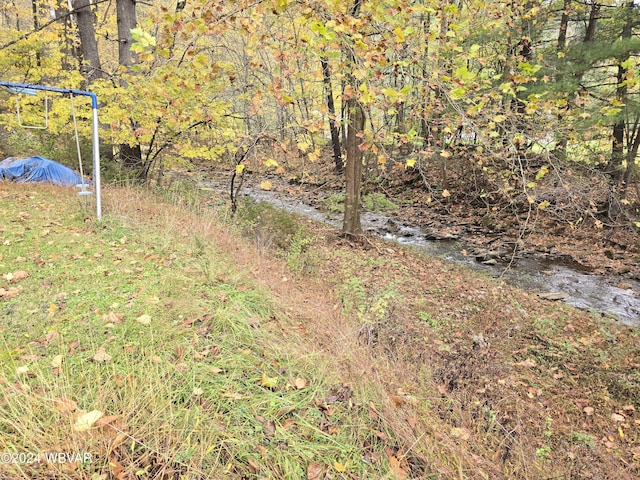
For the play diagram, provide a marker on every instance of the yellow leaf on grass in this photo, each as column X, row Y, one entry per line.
column 57, row 361
column 85, row 421
column 239, row 169
column 339, row 467
column 270, row 162
column 268, row 382
column 144, row 319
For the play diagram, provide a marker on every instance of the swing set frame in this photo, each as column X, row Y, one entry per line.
column 29, row 89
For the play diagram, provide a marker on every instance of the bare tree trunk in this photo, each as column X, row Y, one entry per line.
column 615, row 167
column 355, row 126
column 90, row 65
column 333, row 128
column 353, row 173
column 560, row 150
column 130, row 155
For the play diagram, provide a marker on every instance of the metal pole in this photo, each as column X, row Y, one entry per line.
column 28, row 90
column 96, row 157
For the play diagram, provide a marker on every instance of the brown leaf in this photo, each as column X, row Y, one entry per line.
column 299, row 383
column 65, row 405
column 616, row 417
column 12, row 292
column 398, row 467
column 102, row 356
column 16, row 276
column 52, row 335
column 314, row 471
column 268, row 426
column 113, row 317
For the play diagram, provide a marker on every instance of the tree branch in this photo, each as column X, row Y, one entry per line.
column 46, row 25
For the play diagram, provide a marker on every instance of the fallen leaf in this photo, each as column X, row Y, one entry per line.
column 65, row 405
column 588, row 411
column 102, row 356
column 314, row 471
column 144, row 319
column 268, row 382
column 616, row 417
column 461, row 433
column 398, row 467
column 339, row 467
column 232, row 395
column 85, row 421
column 16, row 276
column 113, row 317
column 52, row 335
column 12, row 292
column 57, row 361
column 530, row 362
column 300, row 383
column 266, row 185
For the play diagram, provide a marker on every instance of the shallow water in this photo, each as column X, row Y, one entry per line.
column 598, row 293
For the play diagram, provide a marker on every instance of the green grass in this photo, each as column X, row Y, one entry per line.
column 149, row 324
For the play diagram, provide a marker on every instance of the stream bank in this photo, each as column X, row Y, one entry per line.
column 554, row 279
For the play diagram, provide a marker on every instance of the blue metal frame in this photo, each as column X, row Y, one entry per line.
column 29, row 89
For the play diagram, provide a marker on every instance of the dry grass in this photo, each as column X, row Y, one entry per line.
column 435, row 371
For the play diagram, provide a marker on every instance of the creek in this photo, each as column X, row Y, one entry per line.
column 566, row 281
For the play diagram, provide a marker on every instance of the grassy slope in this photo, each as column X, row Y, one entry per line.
column 209, row 360
column 194, row 366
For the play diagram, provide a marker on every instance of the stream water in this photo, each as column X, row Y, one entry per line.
column 614, row 296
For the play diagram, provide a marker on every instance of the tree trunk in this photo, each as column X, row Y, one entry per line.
column 90, row 65
column 615, row 167
column 335, row 134
column 355, row 127
column 353, row 173
column 560, row 150
column 130, row 155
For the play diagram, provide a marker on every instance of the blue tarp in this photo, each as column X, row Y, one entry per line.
column 38, row 169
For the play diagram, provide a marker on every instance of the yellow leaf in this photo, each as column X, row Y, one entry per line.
column 410, row 163
column 268, row 382
column 381, row 160
column 57, row 361
column 270, row 162
column 339, row 467
column 239, row 168
column 85, row 421
column 446, row 193
column 266, row 185
column 544, row 205
column 400, row 38
column 304, row 146
column 144, row 319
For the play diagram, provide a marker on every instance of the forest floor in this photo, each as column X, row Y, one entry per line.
column 269, row 346
column 567, row 234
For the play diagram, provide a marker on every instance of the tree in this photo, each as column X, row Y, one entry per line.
column 90, row 65
column 130, row 152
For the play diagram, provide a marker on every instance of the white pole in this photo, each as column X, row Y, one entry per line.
column 96, row 157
